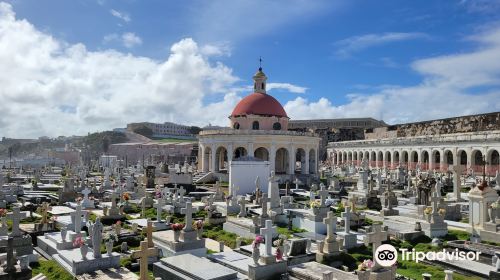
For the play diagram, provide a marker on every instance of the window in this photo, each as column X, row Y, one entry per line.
column 255, row 125
column 263, row 86
column 277, row 126
column 236, row 125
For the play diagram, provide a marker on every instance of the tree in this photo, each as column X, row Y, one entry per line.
column 194, row 130
column 144, row 131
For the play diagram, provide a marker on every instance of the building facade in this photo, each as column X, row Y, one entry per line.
column 470, row 141
column 259, row 128
column 163, row 129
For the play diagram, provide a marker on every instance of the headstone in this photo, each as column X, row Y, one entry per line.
column 375, row 237
column 243, row 210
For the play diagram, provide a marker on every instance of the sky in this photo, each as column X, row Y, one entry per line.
column 74, row 67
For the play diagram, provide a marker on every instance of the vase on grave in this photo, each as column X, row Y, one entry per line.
column 84, row 249
column 199, row 233
column 64, row 231
column 177, row 234
column 109, row 247
column 256, row 254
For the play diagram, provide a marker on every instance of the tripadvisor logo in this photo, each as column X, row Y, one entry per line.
column 386, row 255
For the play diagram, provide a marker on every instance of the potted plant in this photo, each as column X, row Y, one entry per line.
column 126, row 197
column 442, row 212
column 198, row 226
column 364, row 269
column 177, row 231
column 428, row 212
column 279, row 246
column 110, row 240
column 84, row 248
column 256, row 248
column 315, row 206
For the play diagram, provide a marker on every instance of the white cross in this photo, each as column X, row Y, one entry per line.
column 78, row 218
column 16, row 218
column 86, row 193
column 188, row 211
column 347, row 219
column 375, row 238
column 296, row 183
column 159, row 207
column 435, row 201
column 323, row 194
column 182, row 192
column 268, row 231
column 243, row 210
column 331, row 226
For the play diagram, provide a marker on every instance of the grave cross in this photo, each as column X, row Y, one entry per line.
column 114, row 196
column 268, row 231
column 435, row 202
column 243, row 211
column 297, row 182
column 86, row 193
column 16, row 218
column 323, row 194
column 331, row 226
column 78, row 218
column 264, row 200
column 347, row 219
column 375, row 237
column 149, row 234
column 188, row 211
column 159, row 208
column 182, row 192
column 143, row 255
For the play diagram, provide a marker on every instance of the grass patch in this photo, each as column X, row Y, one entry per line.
column 456, row 235
column 218, row 234
column 414, row 270
column 51, row 270
column 289, row 233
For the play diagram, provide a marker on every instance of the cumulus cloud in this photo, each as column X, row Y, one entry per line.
column 452, row 85
column 287, row 86
column 121, row 15
column 346, row 47
column 55, row 88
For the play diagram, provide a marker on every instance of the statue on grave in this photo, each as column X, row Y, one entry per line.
column 97, row 237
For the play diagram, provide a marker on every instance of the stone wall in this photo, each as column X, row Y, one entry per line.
column 474, row 123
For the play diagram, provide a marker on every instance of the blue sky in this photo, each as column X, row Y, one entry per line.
column 382, row 59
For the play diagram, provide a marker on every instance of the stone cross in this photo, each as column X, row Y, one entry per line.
column 11, row 259
column 149, row 234
column 435, row 202
column 331, row 226
column 347, row 219
column 86, row 193
column 143, row 255
column 457, row 173
column 243, row 211
column 114, row 196
column 143, row 207
column 268, row 231
column 264, row 200
column 375, row 238
column 159, row 207
column 78, row 218
column 182, row 192
column 16, row 218
column 323, row 194
column 188, row 211
column 44, row 209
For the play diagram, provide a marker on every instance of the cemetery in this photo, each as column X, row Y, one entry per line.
column 259, row 205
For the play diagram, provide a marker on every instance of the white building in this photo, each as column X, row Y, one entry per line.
column 166, row 129
column 259, row 128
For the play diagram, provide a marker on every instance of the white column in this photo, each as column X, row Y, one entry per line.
column 229, row 153
column 442, row 160
column 272, row 157
column 212, row 158
column 306, row 171
column 291, row 160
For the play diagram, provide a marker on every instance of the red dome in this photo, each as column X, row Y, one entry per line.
column 259, row 104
